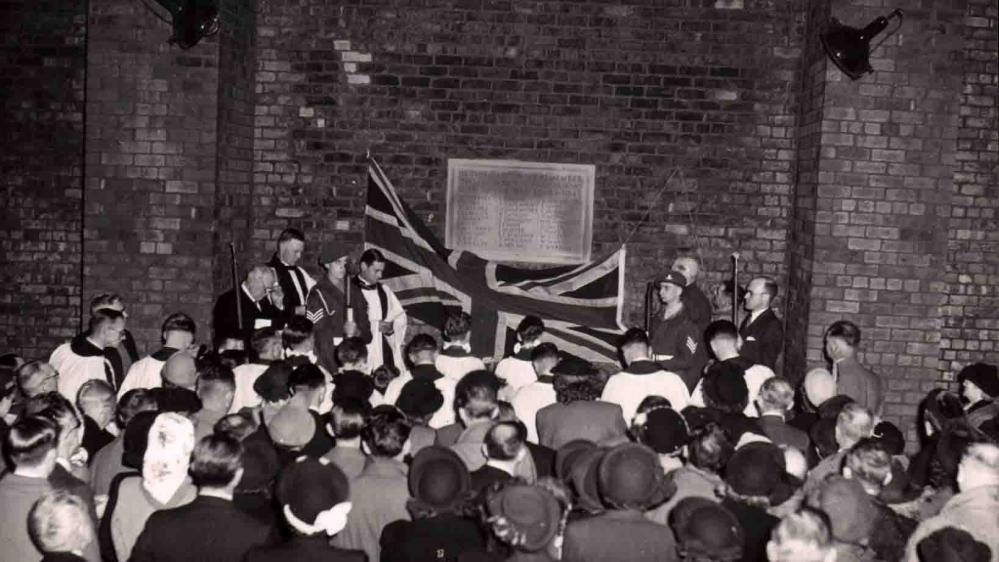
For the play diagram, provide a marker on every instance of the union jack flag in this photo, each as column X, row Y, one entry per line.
column 581, row 305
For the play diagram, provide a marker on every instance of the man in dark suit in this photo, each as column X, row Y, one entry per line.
column 762, row 332
column 774, row 401
column 211, row 528
column 852, row 378
column 579, row 414
column 261, row 300
column 504, row 448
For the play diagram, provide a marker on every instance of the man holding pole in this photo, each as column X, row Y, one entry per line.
column 331, row 307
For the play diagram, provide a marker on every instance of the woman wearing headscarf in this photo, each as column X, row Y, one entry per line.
column 165, row 483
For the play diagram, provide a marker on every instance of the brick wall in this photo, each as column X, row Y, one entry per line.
column 636, row 89
column 970, row 324
column 151, row 168
column 42, row 62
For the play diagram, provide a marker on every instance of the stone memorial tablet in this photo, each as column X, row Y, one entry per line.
column 508, row 210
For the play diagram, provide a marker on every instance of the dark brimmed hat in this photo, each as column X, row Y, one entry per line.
column 567, row 455
column 724, row 384
column 985, row 377
column 438, row 478
column 630, row 477
column 178, row 400
column 951, row 544
column 272, row 385
column 758, row 470
column 332, row 251
column 574, row 367
column 890, row 436
column 584, row 480
column 419, row 398
column 533, row 514
column 310, row 486
column 704, row 528
column 352, row 385
column 663, row 430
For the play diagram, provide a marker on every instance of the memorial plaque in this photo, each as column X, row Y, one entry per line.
column 508, row 210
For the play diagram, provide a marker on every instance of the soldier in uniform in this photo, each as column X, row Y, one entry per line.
column 677, row 343
column 326, row 305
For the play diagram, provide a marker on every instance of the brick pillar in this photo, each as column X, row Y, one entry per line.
column 154, row 155
column 873, row 231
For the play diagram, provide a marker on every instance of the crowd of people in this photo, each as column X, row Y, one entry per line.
column 312, row 428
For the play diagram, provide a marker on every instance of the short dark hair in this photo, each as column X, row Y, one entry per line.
column 215, row 460
column 577, row 389
column 383, row 375
column 710, row 447
column 347, row 418
column 132, row 402
column 214, row 376
column 504, row 440
column 57, row 408
column 421, row 343
column 297, row 330
column 262, row 338
column 721, row 329
column 102, row 317
column 370, row 256
column 386, row 431
column 30, row 439
column 846, row 331
column 179, row 322
column 544, row 350
column 476, row 392
column 634, row 336
column 103, row 300
column 530, row 328
column 306, row 377
column 351, row 350
column 456, row 325
column 290, row 234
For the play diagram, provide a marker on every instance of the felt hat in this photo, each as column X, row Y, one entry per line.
column 438, row 478
column 567, row 455
column 630, row 476
column 819, row 386
column 663, row 430
column 272, row 385
column 293, row 426
column 179, row 400
column 890, row 436
column 724, row 384
column 758, row 470
column 419, row 398
column 704, row 528
column 352, row 385
column 574, row 367
column 330, row 251
column 261, row 466
column 851, row 510
column 985, row 377
column 584, row 480
column 823, row 436
column 310, row 486
column 672, row 277
column 136, row 438
column 951, row 544
column 831, row 408
column 530, row 513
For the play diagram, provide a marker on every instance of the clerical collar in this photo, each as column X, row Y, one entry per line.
column 85, row 347
column 364, row 284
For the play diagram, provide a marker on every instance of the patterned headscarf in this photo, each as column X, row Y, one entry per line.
column 168, row 455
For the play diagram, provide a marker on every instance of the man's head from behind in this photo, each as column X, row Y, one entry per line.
column 298, row 335
column 634, row 345
column 96, row 400
column 504, row 442
column 180, row 371
column 178, row 331
column 530, row 330
column 216, row 386
column 348, row 418
column 217, row 462
column 352, row 355
column 422, row 350
column 132, row 402
column 457, row 327
column 475, row 397
column 107, row 327
column 802, row 536
column 544, row 357
column 386, row 434
column 308, row 384
column 265, row 345
column 853, row 423
column 870, row 464
column 32, row 444
column 723, row 338
column 776, row 396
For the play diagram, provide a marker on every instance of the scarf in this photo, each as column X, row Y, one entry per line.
column 168, row 455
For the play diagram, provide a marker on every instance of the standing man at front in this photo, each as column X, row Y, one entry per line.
column 295, row 281
column 385, row 324
column 762, row 332
column 677, row 342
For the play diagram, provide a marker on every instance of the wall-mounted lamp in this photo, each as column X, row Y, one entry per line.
column 192, row 20
column 850, row 48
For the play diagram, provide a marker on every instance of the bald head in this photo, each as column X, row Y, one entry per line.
column 689, row 267
column 180, row 371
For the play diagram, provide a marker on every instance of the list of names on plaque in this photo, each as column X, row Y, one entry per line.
column 520, row 211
